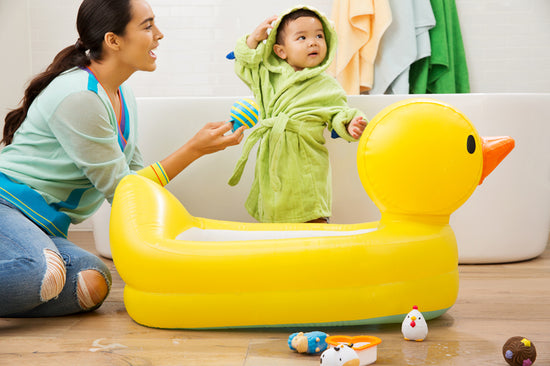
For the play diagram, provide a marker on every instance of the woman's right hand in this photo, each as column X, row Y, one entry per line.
column 212, row 137
column 209, row 139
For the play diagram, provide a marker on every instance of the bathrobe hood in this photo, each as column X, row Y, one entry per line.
column 278, row 65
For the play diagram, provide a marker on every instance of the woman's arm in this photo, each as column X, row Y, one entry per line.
column 81, row 125
column 209, row 139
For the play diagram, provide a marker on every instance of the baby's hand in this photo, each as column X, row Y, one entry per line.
column 260, row 33
column 356, row 127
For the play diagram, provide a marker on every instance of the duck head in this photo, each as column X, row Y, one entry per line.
column 424, row 157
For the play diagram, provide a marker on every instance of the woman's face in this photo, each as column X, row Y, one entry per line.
column 141, row 38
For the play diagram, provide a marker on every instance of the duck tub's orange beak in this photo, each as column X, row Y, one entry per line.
column 495, row 150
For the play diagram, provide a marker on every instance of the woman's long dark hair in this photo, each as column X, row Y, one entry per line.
column 95, row 19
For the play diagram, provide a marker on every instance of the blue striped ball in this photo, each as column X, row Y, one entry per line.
column 244, row 112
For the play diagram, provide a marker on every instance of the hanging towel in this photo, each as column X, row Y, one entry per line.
column 445, row 71
column 405, row 41
column 360, row 25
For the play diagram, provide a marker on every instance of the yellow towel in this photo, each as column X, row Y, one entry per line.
column 360, row 25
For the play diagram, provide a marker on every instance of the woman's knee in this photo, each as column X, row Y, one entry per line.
column 92, row 288
column 55, row 276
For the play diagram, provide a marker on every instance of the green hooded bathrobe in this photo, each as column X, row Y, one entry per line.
column 292, row 178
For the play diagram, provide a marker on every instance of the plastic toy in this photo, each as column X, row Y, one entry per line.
column 311, row 342
column 364, row 346
column 414, row 326
column 519, row 351
column 418, row 159
column 342, row 355
column 244, row 112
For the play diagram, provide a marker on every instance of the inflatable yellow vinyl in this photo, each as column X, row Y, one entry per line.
column 418, row 160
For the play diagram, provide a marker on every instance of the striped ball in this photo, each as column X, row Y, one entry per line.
column 244, row 112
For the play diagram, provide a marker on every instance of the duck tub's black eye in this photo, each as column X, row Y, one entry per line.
column 471, row 144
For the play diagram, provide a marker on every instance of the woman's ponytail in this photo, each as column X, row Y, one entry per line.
column 95, row 18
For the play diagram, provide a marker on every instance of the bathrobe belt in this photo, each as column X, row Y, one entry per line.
column 274, row 128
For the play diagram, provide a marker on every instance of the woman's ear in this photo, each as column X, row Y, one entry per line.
column 279, row 51
column 112, row 41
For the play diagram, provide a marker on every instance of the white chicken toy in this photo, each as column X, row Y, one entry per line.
column 414, row 326
column 342, row 355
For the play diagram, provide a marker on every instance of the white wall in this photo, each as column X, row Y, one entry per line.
column 507, row 43
column 15, row 62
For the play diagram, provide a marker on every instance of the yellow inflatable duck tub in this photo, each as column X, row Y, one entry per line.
column 418, row 160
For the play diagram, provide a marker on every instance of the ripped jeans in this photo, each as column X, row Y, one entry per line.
column 23, row 267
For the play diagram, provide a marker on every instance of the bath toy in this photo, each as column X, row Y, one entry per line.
column 364, row 346
column 244, row 112
column 414, row 326
column 519, row 351
column 418, row 159
column 342, row 355
column 311, row 342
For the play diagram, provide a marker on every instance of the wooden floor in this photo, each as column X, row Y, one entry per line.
column 495, row 302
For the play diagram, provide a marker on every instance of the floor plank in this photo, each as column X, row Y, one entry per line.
column 494, row 303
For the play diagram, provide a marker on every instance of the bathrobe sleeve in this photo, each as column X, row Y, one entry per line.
column 339, row 114
column 247, row 63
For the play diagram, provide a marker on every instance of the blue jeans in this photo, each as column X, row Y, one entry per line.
column 23, row 266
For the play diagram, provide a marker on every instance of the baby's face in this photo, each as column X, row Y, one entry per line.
column 304, row 43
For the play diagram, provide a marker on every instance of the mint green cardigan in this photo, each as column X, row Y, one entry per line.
column 292, row 178
column 66, row 158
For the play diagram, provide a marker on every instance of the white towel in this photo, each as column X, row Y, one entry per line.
column 405, row 41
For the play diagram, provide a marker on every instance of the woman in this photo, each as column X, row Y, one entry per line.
column 67, row 147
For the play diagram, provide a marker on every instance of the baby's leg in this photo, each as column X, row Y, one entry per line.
column 320, row 220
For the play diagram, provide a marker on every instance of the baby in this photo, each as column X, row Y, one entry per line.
column 297, row 101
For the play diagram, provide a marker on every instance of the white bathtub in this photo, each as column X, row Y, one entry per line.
column 506, row 219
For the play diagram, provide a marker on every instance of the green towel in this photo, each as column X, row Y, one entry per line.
column 445, row 71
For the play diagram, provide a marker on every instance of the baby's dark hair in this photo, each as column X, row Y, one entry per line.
column 299, row 13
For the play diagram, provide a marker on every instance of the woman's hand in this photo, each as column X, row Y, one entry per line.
column 212, row 137
column 209, row 139
column 260, row 33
